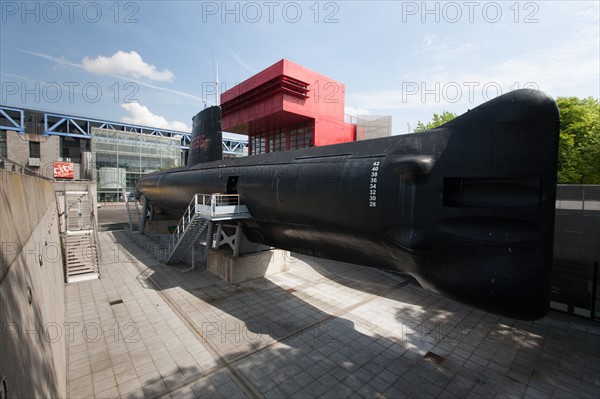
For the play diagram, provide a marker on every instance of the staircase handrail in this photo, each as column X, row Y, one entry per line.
column 204, row 206
column 185, row 221
column 95, row 231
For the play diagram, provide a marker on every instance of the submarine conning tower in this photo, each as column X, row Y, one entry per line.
column 207, row 136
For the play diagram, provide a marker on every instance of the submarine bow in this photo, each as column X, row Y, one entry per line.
column 466, row 208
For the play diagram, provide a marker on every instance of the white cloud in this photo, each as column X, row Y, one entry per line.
column 64, row 62
column 58, row 60
column 126, row 64
column 141, row 115
column 356, row 111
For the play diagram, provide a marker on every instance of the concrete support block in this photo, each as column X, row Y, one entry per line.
column 248, row 266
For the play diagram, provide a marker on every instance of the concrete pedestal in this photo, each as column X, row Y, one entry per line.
column 248, row 266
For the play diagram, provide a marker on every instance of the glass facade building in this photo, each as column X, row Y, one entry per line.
column 119, row 159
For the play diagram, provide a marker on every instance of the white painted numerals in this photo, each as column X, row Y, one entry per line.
column 373, row 185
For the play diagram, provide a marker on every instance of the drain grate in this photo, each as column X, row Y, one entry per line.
column 434, row 358
column 118, row 301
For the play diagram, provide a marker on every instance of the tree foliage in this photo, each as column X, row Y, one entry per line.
column 579, row 146
column 437, row 120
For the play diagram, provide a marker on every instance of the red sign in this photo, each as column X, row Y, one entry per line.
column 198, row 142
column 63, row 170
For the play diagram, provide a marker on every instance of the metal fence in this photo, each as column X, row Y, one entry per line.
column 575, row 279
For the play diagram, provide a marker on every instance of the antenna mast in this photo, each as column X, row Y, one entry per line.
column 218, row 99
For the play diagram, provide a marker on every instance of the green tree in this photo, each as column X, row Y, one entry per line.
column 579, row 146
column 438, row 120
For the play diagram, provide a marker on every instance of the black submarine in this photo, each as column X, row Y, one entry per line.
column 466, row 208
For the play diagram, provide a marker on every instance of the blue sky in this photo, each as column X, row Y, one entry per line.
column 153, row 62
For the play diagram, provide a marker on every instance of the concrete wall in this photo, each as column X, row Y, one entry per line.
column 32, row 291
column 17, row 149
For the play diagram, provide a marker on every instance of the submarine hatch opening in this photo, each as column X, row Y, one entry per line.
column 232, row 182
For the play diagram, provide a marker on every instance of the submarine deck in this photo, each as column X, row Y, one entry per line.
column 324, row 329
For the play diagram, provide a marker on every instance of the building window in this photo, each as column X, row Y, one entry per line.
column 34, row 149
column 3, row 151
column 293, row 139
column 258, row 143
column 121, row 158
column 300, row 136
column 279, row 139
column 272, row 144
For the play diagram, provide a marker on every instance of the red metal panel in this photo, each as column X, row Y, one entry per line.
column 263, row 76
column 286, row 94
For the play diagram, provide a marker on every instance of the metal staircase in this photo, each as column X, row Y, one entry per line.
column 200, row 213
column 81, row 256
column 182, row 242
column 80, row 237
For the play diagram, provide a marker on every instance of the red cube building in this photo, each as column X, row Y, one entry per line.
column 286, row 107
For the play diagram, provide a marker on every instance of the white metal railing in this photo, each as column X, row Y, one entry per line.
column 208, row 206
column 215, row 205
column 95, row 228
column 184, row 223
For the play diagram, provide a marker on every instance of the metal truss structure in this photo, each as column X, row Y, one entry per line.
column 75, row 126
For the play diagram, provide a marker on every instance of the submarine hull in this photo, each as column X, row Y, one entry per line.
column 466, row 208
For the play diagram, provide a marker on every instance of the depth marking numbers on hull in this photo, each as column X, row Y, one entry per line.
column 373, row 185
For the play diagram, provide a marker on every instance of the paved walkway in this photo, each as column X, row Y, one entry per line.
column 323, row 329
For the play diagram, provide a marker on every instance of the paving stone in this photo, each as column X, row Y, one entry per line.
column 290, row 387
column 375, row 350
column 150, row 378
column 81, row 386
column 314, row 390
column 203, row 388
column 135, row 394
column 155, row 388
column 339, row 373
column 265, row 384
column 185, row 393
column 126, row 375
column 105, row 384
column 111, row 392
column 129, row 386
column 231, row 390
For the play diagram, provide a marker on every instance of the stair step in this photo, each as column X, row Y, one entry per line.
column 81, row 251
column 83, row 271
column 190, row 235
